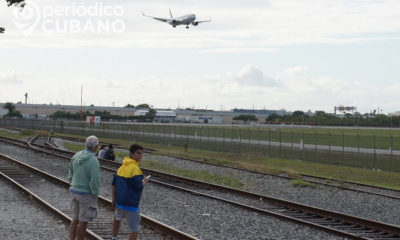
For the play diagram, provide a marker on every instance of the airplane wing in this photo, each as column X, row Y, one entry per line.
column 209, row 20
column 158, row 18
column 203, row 21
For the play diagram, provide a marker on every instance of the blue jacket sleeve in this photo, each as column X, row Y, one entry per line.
column 137, row 183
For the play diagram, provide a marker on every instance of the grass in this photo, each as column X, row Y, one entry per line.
column 75, row 147
column 301, row 183
column 119, row 154
column 192, row 174
column 204, row 176
column 22, row 135
column 274, row 165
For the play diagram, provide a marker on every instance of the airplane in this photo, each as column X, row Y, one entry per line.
column 184, row 20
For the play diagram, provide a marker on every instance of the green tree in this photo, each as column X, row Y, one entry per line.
column 151, row 114
column 246, row 118
column 9, row 106
column 129, row 106
column 12, row 112
column 273, row 117
column 143, row 106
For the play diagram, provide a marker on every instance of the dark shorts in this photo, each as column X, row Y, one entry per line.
column 84, row 207
column 132, row 217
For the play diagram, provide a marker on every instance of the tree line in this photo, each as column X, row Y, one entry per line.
column 104, row 115
column 326, row 119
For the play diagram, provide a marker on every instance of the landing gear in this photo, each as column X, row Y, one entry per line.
column 187, row 26
column 173, row 26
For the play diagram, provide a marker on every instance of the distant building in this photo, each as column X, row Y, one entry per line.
column 206, row 118
column 179, row 115
column 260, row 112
column 162, row 116
column 394, row 114
column 48, row 109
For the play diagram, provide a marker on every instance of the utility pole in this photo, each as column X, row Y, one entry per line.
column 26, row 98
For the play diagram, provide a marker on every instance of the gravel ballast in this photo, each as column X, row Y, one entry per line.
column 364, row 205
column 199, row 216
column 21, row 218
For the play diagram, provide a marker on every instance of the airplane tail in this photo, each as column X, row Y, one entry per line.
column 170, row 13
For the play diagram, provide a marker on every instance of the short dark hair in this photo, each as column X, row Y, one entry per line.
column 134, row 147
column 110, row 146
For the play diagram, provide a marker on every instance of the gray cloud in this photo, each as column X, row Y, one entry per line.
column 252, row 76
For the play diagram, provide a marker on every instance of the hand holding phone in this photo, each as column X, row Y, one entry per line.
column 146, row 179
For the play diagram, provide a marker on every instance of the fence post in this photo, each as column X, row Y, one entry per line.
column 374, row 151
column 240, row 138
column 232, row 139
column 302, row 145
column 358, row 150
column 153, row 135
column 391, row 153
column 223, row 139
column 316, row 144
column 280, row 142
column 201, row 136
column 329, row 147
column 249, row 134
column 208, row 137
column 342, row 148
column 194, row 135
column 187, row 135
column 269, row 142
column 291, row 145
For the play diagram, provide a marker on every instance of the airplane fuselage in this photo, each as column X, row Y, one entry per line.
column 184, row 20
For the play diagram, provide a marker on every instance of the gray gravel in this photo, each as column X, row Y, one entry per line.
column 60, row 198
column 199, row 216
column 21, row 218
column 345, row 201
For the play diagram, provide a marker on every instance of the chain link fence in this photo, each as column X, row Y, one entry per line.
column 368, row 151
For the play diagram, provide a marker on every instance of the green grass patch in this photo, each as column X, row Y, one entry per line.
column 119, row 154
column 300, row 183
column 274, row 165
column 75, row 147
column 204, row 176
column 22, row 135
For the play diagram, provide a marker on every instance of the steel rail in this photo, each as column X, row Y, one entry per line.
column 291, row 211
column 147, row 221
column 280, row 176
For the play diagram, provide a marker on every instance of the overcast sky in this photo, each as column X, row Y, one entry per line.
column 272, row 54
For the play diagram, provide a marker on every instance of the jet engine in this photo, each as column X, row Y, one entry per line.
column 195, row 23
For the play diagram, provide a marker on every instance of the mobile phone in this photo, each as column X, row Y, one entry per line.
column 147, row 177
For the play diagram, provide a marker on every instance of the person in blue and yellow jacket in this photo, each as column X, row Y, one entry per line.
column 127, row 187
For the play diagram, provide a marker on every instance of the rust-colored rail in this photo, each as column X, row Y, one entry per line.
column 103, row 202
column 334, row 222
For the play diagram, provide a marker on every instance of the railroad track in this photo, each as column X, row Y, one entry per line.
column 333, row 222
column 21, row 174
column 340, row 184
